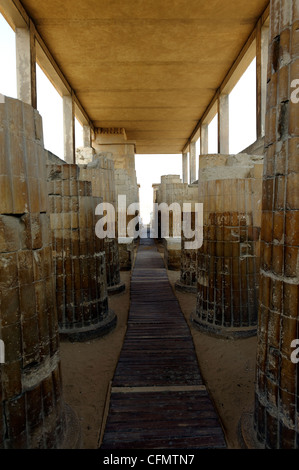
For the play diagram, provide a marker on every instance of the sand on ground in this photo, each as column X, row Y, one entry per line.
column 227, row 367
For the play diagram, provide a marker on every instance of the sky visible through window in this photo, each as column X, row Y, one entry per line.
column 149, row 168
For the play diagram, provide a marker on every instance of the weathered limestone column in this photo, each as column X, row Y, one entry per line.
column 100, row 172
column 228, row 263
column 32, row 409
column 79, row 256
column 69, row 129
column 262, row 41
column 185, row 167
column 188, row 268
column 86, row 136
column 26, row 66
column 223, row 124
column 192, row 162
column 169, row 191
column 122, row 152
column 204, row 139
column 277, row 393
column 173, row 191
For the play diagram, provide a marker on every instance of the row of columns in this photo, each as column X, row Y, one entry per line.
column 27, row 90
column 251, row 241
column 262, row 35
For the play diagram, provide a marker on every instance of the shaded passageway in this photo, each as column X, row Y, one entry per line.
column 158, row 398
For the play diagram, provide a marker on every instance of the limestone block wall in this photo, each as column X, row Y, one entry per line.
column 229, row 261
column 31, row 400
column 126, row 185
column 277, row 392
column 84, row 155
column 101, row 173
column 81, row 286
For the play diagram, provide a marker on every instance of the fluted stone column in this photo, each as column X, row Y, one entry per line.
column 277, row 394
column 101, row 173
column 228, row 262
column 32, row 409
column 79, row 255
column 188, row 269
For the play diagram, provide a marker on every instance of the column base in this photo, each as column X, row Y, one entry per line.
column 90, row 332
column 72, row 438
column 221, row 331
column 117, row 289
column 246, row 433
column 126, row 253
column 185, row 288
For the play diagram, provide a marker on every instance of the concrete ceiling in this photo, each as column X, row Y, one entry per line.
column 150, row 66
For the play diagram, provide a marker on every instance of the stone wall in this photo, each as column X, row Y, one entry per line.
column 101, row 173
column 230, row 188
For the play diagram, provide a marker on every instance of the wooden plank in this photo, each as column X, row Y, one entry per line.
column 205, row 442
column 192, row 388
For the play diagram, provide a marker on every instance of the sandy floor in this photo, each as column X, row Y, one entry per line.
column 227, row 367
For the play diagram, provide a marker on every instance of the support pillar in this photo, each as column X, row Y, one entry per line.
column 185, row 167
column 69, row 129
column 230, row 188
column 101, row 173
column 188, row 258
column 262, row 40
column 277, row 377
column 86, row 136
column 33, row 414
column 26, row 66
column 204, row 139
column 192, row 162
column 79, row 256
column 223, row 124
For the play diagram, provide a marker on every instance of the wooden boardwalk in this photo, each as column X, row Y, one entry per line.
column 158, row 399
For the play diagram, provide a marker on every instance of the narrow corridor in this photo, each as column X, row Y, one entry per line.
column 158, row 398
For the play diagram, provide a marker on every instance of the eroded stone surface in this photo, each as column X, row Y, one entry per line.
column 31, row 406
